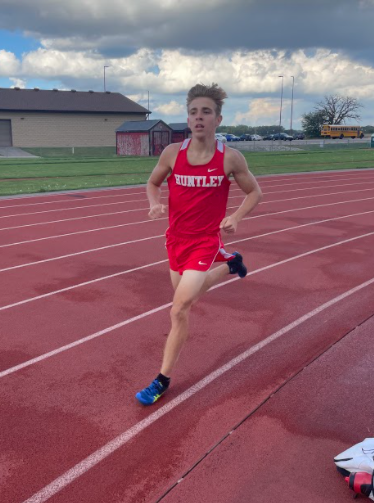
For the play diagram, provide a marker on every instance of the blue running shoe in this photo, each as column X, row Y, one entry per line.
column 150, row 395
column 236, row 265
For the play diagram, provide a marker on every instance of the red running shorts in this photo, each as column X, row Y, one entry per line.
column 195, row 253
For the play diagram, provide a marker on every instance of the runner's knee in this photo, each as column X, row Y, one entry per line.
column 180, row 309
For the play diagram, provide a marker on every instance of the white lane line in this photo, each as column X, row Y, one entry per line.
column 139, row 209
column 127, row 271
column 74, row 208
column 92, row 250
column 103, row 452
column 332, row 174
column 262, row 215
column 314, row 180
column 311, row 175
column 82, row 232
column 71, row 194
column 301, row 226
column 78, row 342
column 315, row 195
column 72, row 199
column 90, row 282
column 20, row 266
column 366, row 182
column 63, row 210
column 72, row 219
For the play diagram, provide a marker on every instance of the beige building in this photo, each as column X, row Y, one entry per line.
column 38, row 118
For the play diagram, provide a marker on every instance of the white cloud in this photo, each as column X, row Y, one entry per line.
column 170, row 72
column 260, row 110
column 9, row 64
column 171, row 108
column 250, row 76
column 19, row 83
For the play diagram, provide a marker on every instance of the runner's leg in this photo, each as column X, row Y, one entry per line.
column 214, row 276
column 175, row 278
column 187, row 291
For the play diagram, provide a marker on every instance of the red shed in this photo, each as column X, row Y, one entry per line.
column 142, row 137
column 181, row 131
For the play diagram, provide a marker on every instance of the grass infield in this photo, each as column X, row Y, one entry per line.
column 59, row 169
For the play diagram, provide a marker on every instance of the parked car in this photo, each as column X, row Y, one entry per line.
column 299, row 136
column 256, row 137
column 232, row 137
column 222, row 138
column 282, row 136
column 268, row 137
column 245, row 137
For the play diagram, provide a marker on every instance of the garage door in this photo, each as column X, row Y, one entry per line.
column 5, row 133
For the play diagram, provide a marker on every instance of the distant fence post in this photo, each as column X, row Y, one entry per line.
column 72, row 150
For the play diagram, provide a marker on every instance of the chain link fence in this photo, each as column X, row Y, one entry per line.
column 281, row 145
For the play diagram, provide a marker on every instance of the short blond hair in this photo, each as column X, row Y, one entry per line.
column 214, row 92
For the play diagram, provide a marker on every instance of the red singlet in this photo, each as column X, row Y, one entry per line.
column 197, row 194
column 197, row 205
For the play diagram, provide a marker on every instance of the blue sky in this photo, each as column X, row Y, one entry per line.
column 17, row 42
column 165, row 47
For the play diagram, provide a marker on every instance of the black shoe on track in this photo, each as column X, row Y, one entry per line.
column 236, row 265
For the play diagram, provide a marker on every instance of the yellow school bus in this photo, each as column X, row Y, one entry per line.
column 341, row 131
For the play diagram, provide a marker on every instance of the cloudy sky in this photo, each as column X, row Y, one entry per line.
column 167, row 46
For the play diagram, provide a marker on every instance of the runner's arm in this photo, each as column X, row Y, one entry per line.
column 158, row 175
column 247, row 182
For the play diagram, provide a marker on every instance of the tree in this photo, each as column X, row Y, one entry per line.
column 336, row 109
column 368, row 129
column 312, row 123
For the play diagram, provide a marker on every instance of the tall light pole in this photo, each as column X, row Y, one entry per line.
column 280, row 111
column 106, row 66
column 293, row 83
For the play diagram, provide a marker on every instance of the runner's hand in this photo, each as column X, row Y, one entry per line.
column 157, row 211
column 229, row 225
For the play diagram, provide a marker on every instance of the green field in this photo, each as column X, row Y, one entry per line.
column 59, row 169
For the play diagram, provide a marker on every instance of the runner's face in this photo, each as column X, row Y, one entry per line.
column 202, row 117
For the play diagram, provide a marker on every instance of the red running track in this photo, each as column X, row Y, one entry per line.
column 266, row 390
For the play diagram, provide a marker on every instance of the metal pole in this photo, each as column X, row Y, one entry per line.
column 280, row 111
column 293, row 83
column 148, row 107
column 104, row 78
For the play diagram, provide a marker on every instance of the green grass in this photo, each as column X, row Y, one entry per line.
column 68, row 152
column 316, row 160
column 96, row 168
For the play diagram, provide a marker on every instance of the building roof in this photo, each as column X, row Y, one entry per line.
column 33, row 100
column 179, row 126
column 138, row 126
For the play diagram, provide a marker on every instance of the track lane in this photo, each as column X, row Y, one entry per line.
column 312, row 414
column 10, row 219
column 18, row 284
column 37, row 230
column 140, row 197
column 274, row 180
column 114, row 478
column 86, row 398
column 75, row 311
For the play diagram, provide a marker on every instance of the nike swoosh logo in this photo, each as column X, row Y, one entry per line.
column 202, row 263
column 210, row 170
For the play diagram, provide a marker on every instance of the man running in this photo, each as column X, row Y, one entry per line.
column 198, row 172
